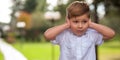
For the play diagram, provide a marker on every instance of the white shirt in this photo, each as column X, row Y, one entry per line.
column 74, row 47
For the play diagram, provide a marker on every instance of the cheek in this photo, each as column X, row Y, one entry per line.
column 72, row 25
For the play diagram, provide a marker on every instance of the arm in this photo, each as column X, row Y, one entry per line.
column 107, row 32
column 51, row 33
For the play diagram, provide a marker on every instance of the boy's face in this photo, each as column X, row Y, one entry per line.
column 79, row 24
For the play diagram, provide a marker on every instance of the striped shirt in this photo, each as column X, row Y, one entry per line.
column 74, row 47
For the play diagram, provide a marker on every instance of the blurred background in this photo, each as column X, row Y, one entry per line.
column 23, row 22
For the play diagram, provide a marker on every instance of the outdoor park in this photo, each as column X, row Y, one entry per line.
column 22, row 29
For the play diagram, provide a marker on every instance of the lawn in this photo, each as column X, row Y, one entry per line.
column 36, row 51
column 43, row 51
column 110, row 51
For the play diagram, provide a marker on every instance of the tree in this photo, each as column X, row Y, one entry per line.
column 15, row 8
column 30, row 6
column 112, row 9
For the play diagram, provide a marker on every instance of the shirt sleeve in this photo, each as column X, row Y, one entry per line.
column 58, row 39
column 98, row 38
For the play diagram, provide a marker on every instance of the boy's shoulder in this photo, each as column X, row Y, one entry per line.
column 67, row 32
column 90, row 30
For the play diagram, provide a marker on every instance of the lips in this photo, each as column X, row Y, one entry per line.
column 79, row 30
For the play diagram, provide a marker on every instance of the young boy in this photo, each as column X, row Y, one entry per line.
column 78, row 36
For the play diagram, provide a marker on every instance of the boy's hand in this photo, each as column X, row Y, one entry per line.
column 90, row 22
column 67, row 22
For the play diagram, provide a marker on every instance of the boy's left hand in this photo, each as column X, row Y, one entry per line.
column 89, row 22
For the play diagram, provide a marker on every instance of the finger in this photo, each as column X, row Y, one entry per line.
column 90, row 20
column 67, row 20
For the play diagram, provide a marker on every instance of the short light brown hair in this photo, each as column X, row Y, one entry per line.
column 77, row 8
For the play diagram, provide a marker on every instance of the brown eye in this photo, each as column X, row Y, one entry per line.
column 75, row 21
column 84, row 21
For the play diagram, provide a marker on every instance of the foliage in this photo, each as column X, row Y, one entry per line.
column 30, row 5
column 112, row 20
column 42, row 6
column 39, row 7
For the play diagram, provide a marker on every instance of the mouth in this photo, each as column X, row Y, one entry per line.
column 79, row 30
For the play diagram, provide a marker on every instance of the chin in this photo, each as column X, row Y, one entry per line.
column 80, row 34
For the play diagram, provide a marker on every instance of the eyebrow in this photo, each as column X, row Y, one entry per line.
column 79, row 19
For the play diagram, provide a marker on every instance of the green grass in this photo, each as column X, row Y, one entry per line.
column 110, row 51
column 37, row 51
column 1, row 56
column 43, row 51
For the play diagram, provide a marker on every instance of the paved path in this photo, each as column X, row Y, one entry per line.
column 9, row 52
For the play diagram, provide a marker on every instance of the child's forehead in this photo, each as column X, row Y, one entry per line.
column 83, row 17
column 79, row 19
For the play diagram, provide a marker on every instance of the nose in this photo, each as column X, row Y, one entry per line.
column 80, row 25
